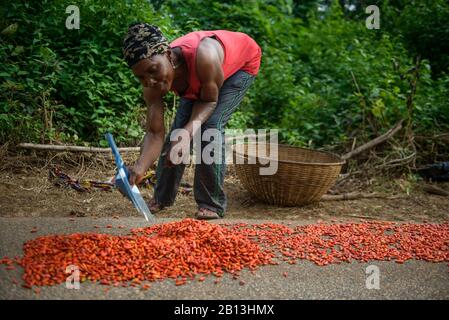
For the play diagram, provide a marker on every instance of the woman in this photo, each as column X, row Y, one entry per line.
column 211, row 72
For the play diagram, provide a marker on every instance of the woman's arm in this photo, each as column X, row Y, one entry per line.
column 154, row 136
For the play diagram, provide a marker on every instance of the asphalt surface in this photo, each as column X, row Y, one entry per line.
column 305, row 280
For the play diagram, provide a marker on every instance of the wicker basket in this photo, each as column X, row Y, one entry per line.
column 302, row 177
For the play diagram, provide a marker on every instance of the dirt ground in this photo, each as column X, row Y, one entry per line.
column 25, row 191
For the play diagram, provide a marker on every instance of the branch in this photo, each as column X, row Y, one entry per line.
column 442, row 136
column 50, row 147
column 398, row 162
column 387, row 135
column 64, row 148
column 356, row 195
column 435, row 190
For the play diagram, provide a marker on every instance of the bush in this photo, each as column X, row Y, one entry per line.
column 323, row 80
column 70, row 85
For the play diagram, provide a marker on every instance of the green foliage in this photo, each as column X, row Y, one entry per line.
column 70, row 85
column 423, row 26
column 348, row 80
column 324, row 79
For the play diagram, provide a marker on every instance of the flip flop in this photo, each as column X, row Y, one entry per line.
column 154, row 206
column 206, row 214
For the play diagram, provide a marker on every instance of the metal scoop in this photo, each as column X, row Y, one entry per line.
column 122, row 182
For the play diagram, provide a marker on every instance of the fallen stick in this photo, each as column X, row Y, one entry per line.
column 382, row 138
column 362, row 217
column 356, row 195
column 435, row 190
column 65, row 148
column 398, row 162
column 345, row 176
column 51, row 147
column 441, row 136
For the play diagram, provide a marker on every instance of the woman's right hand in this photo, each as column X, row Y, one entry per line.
column 136, row 174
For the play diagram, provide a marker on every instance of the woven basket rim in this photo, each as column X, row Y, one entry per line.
column 338, row 163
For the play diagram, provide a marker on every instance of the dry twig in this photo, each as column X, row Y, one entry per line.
column 435, row 190
column 357, row 195
column 382, row 138
column 51, row 147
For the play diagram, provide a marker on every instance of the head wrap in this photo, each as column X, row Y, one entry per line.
column 143, row 41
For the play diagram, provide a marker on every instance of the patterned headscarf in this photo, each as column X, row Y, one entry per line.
column 143, row 41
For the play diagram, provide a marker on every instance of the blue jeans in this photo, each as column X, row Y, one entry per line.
column 209, row 178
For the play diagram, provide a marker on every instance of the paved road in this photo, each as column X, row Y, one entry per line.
column 411, row 280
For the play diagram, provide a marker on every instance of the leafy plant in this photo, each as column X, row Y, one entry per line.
column 324, row 78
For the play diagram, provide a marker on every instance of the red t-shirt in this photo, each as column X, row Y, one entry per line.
column 241, row 52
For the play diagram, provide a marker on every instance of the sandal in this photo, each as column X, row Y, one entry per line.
column 154, row 206
column 206, row 214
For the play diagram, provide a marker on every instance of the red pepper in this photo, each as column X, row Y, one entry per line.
column 180, row 250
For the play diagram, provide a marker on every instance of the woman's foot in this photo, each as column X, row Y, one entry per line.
column 154, row 206
column 206, row 214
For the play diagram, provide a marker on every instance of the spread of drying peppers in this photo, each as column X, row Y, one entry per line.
column 189, row 249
